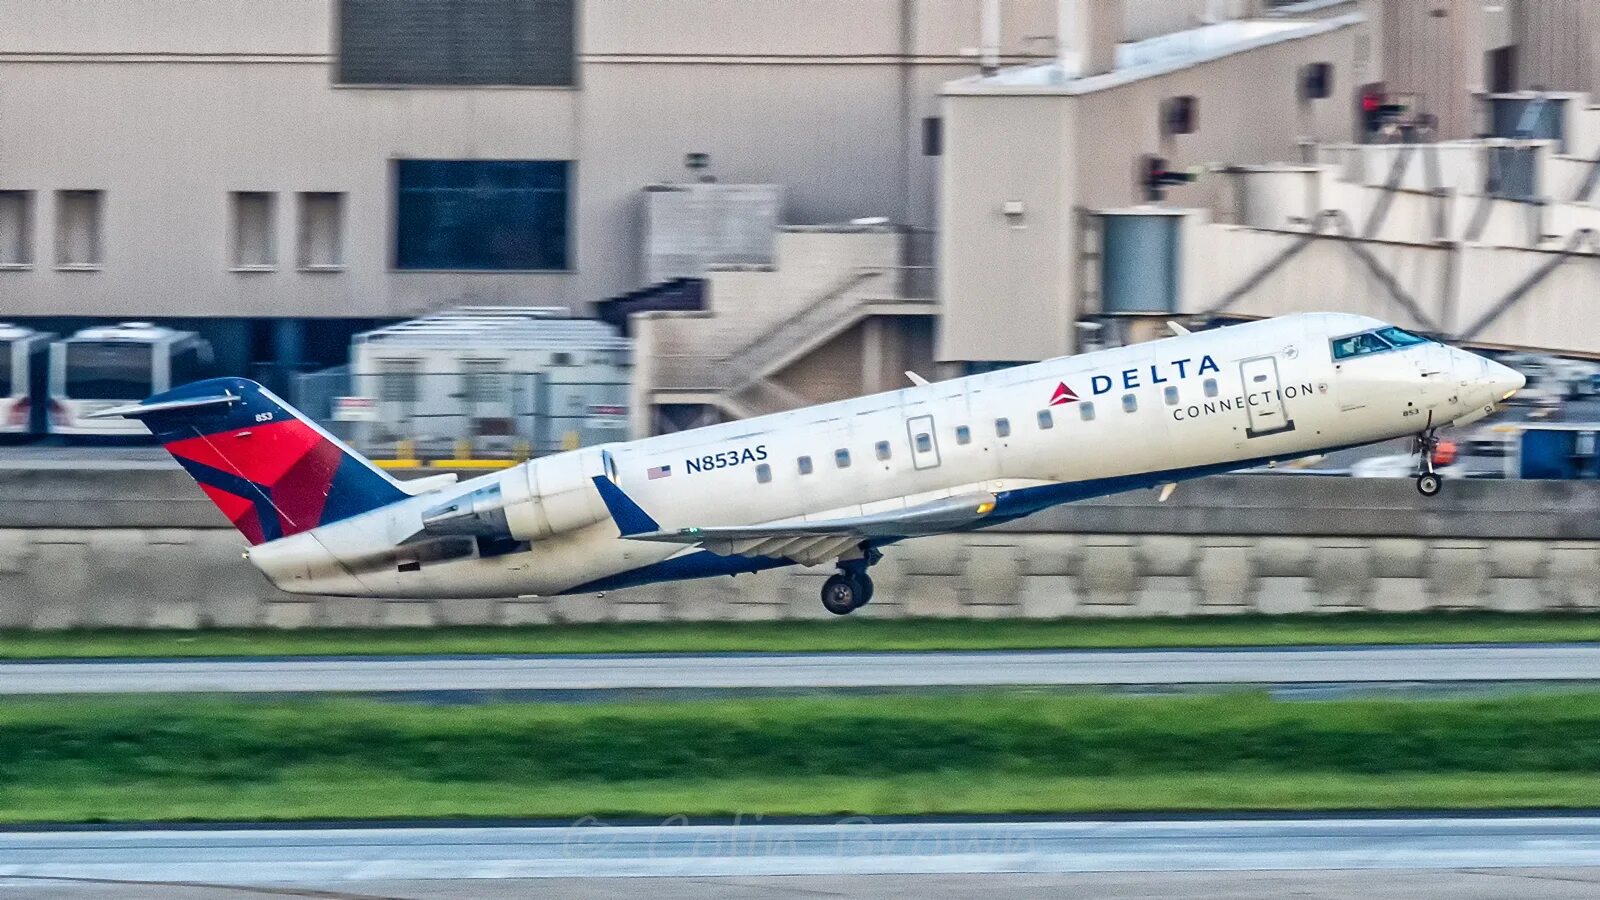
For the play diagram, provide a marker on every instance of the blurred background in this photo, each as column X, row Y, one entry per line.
column 479, row 230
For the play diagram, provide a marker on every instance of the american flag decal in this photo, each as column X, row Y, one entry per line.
column 658, row 472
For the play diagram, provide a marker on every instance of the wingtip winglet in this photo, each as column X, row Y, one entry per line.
column 630, row 518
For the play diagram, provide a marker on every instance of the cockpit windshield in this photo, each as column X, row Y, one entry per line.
column 1401, row 337
column 1376, row 341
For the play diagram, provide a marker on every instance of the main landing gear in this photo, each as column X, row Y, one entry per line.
column 851, row 588
column 1428, row 481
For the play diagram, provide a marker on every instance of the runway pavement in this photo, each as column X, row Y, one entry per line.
column 1295, row 666
column 344, row 859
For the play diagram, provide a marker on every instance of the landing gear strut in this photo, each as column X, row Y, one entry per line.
column 851, row 588
column 1428, row 481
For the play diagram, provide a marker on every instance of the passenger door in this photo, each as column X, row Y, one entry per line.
column 1263, row 393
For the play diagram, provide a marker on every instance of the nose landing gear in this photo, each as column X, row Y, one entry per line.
column 1429, row 484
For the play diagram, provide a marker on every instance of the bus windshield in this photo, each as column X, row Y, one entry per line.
column 108, row 370
column 5, row 370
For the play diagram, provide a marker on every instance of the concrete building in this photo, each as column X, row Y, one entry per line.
column 1030, row 151
column 344, row 161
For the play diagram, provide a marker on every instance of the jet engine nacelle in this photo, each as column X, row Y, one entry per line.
column 535, row 500
column 556, row 493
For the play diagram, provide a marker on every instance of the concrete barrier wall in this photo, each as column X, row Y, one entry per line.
column 141, row 549
column 187, row 578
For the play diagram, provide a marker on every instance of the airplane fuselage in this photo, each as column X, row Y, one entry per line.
column 1033, row 436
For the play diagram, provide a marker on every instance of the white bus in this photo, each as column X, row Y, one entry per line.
column 111, row 365
column 22, row 365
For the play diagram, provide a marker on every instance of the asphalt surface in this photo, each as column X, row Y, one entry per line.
column 1468, row 884
column 1469, row 664
column 401, row 861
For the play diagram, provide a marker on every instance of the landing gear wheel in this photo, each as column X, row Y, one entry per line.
column 863, row 589
column 841, row 594
column 1429, row 484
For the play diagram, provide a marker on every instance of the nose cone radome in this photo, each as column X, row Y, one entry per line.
column 1503, row 381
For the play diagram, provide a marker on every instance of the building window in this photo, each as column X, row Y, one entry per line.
column 1130, row 403
column 763, row 473
column 78, row 227
column 805, row 465
column 457, row 42
column 1170, row 394
column 1002, row 427
column 481, row 215
column 1046, row 420
column 398, row 380
column 1086, row 410
column 321, row 231
column 484, row 381
column 1181, row 115
column 16, row 229
column 932, row 136
column 1210, row 386
column 252, row 230
column 881, row 449
column 963, row 434
column 561, row 358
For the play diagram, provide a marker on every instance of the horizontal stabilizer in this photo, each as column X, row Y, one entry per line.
column 140, row 410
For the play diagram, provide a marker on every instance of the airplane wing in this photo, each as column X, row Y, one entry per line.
column 814, row 542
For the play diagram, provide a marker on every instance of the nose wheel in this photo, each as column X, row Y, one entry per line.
column 1429, row 484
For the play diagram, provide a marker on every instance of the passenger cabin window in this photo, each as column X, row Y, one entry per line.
column 1086, row 410
column 1170, row 394
column 763, row 473
column 1002, row 427
column 841, row 458
column 1130, row 403
column 881, row 448
column 1210, row 387
column 805, row 465
column 924, row 442
column 963, row 434
column 1359, row 345
column 1046, row 420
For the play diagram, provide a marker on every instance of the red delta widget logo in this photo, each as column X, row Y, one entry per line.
column 1063, row 395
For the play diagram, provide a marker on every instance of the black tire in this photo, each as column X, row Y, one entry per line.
column 1429, row 484
column 841, row 595
column 864, row 589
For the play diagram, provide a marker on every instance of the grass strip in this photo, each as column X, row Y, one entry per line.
column 164, row 759
column 840, row 635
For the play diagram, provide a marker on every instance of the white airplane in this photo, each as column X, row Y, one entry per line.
column 835, row 483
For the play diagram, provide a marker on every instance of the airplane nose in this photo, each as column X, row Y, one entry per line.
column 1503, row 380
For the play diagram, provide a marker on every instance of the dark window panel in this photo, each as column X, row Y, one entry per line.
column 481, row 215
column 457, row 42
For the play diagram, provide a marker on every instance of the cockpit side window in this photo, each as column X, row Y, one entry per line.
column 1359, row 345
column 1401, row 337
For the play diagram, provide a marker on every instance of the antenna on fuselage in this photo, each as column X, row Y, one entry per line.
column 916, row 379
column 1178, row 330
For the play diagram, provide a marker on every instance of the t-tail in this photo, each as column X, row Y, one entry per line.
column 271, row 471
